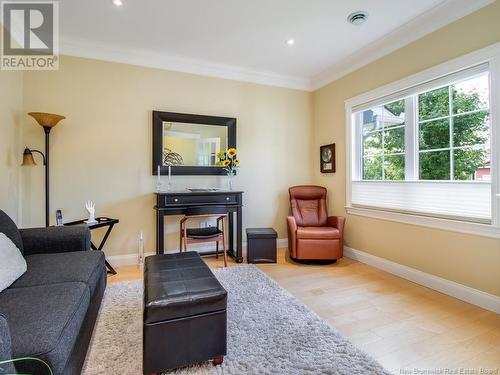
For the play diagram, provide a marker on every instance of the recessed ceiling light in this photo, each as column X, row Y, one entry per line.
column 290, row 42
column 357, row 18
column 118, row 3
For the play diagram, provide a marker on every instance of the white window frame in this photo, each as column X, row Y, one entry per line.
column 490, row 55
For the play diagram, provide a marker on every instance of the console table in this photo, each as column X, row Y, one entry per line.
column 177, row 202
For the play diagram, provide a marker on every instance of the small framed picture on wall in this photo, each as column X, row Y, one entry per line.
column 327, row 158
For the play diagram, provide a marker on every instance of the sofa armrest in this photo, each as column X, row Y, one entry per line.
column 336, row 222
column 55, row 239
column 6, row 367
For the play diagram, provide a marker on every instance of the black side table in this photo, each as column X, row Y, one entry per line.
column 261, row 245
column 101, row 222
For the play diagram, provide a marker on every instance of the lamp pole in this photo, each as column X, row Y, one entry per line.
column 46, row 129
column 47, row 121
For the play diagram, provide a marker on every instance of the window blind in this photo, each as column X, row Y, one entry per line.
column 425, row 86
column 455, row 200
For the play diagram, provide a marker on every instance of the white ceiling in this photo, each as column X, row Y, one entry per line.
column 246, row 39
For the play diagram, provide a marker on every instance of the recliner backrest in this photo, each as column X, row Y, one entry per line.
column 9, row 228
column 308, row 204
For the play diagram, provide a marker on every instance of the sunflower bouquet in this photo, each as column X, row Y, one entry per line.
column 229, row 161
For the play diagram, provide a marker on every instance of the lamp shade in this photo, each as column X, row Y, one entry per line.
column 28, row 159
column 47, row 120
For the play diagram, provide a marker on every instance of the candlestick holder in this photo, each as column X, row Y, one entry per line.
column 158, row 180
column 169, row 185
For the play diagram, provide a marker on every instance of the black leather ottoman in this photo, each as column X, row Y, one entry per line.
column 185, row 319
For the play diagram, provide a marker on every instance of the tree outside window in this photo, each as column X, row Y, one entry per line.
column 384, row 142
column 452, row 131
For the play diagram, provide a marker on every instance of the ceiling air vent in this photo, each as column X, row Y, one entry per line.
column 357, row 18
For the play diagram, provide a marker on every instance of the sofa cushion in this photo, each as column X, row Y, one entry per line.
column 12, row 261
column 5, row 347
column 83, row 266
column 318, row 233
column 9, row 228
column 45, row 321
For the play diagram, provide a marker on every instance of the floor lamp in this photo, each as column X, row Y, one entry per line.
column 47, row 121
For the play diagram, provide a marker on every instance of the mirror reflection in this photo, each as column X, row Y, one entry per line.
column 192, row 144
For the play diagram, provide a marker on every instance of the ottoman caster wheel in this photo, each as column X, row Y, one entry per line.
column 218, row 360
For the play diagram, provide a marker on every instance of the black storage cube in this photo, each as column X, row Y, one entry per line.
column 261, row 245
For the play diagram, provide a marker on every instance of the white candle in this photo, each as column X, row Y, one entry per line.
column 159, row 173
column 169, row 173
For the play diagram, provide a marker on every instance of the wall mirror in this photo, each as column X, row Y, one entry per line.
column 189, row 143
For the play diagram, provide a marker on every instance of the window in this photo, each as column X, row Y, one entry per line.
column 425, row 146
column 454, row 131
column 383, row 129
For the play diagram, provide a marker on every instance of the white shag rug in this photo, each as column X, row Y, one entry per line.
column 269, row 332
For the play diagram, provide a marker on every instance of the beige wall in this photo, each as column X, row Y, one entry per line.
column 102, row 151
column 469, row 260
column 11, row 114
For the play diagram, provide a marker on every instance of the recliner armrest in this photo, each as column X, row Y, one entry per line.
column 292, row 235
column 292, row 224
column 55, row 239
column 336, row 222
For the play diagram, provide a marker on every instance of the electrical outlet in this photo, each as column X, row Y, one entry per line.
column 212, row 222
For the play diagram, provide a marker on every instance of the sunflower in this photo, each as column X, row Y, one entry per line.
column 231, row 152
column 236, row 161
column 219, row 164
column 226, row 163
column 221, row 154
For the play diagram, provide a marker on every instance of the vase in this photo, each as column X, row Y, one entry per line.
column 230, row 181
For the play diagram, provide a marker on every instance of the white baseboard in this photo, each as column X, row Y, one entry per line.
column 125, row 259
column 132, row 259
column 451, row 288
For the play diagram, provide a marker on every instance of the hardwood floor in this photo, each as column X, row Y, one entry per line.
column 400, row 323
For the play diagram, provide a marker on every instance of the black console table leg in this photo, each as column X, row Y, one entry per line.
column 239, row 236
column 231, row 232
column 160, row 243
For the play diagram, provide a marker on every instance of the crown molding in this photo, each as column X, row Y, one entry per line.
column 427, row 22
column 142, row 57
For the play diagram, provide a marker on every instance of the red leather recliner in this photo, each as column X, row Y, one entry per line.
column 312, row 234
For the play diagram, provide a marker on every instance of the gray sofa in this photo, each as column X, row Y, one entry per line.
column 49, row 313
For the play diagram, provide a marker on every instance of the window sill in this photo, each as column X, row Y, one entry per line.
column 483, row 230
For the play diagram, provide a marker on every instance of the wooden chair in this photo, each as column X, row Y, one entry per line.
column 202, row 235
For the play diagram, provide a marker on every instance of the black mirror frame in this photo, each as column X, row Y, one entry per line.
column 158, row 119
